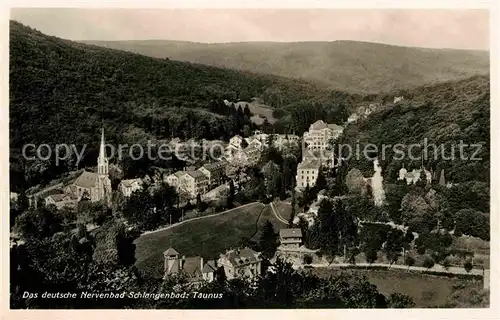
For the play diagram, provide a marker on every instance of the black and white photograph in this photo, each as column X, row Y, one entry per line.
column 248, row 158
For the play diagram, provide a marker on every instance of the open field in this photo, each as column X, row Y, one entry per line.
column 259, row 111
column 425, row 290
column 207, row 237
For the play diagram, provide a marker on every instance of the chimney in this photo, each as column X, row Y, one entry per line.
column 201, row 264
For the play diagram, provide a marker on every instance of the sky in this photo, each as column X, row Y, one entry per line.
column 431, row 28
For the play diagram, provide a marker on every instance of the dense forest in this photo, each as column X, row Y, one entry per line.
column 353, row 66
column 444, row 114
column 62, row 92
column 60, row 88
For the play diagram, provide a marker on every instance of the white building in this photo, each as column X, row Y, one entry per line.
column 398, row 99
column 236, row 141
column 127, row 187
column 413, row 176
column 320, row 134
column 240, row 263
column 214, row 171
column 353, row 118
column 194, row 183
column 307, row 173
column 174, row 178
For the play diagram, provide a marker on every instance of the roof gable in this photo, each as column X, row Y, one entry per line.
column 86, row 180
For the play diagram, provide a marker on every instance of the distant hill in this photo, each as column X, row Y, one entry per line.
column 361, row 67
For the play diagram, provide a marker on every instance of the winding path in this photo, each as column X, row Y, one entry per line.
column 276, row 214
column 437, row 268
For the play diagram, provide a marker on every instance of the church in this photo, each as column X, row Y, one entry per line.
column 91, row 185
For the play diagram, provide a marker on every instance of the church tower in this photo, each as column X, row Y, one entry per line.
column 104, row 183
column 102, row 161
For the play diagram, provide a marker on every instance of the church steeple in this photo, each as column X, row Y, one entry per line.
column 102, row 161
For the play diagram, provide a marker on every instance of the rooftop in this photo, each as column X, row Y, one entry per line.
column 129, row 182
column 196, row 174
column 170, row 252
column 242, row 256
column 86, row 180
column 310, row 164
column 291, row 233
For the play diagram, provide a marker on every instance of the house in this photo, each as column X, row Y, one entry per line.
column 320, row 134
column 326, row 158
column 236, row 141
column 192, row 267
column 194, row 183
column 307, row 173
column 128, row 186
column 91, row 185
column 230, row 151
column 252, row 155
column 255, row 143
column 240, row 263
column 209, row 271
column 14, row 196
column 214, row 171
column 398, row 99
column 285, row 140
column 62, row 200
column 291, row 238
column 413, row 176
column 173, row 179
column 353, row 118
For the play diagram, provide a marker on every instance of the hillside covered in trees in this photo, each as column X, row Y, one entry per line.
column 352, row 66
column 62, row 92
column 60, row 88
column 444, row 114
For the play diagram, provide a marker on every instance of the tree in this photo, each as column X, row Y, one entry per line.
column 442, row 181
column 446, row 263
column 308, row 259
column 398, row 300
column 38, row 223
column 230, row 197
column 393, row 244
column 268, row 242
column 115, row 245
column 355, row 181
column 292, row 213
column 409, row 261
column 371, row 256
column 272, row 177
column 468, row 266
column 247, row 111
column 428, row 262
column 473, row 223
column 149, row 212
column 200, row 205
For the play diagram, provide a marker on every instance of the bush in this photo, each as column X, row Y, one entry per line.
column 428, row 262
column 398, row 300
column 409, row 261
column 446, row 263
column 308, row 259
